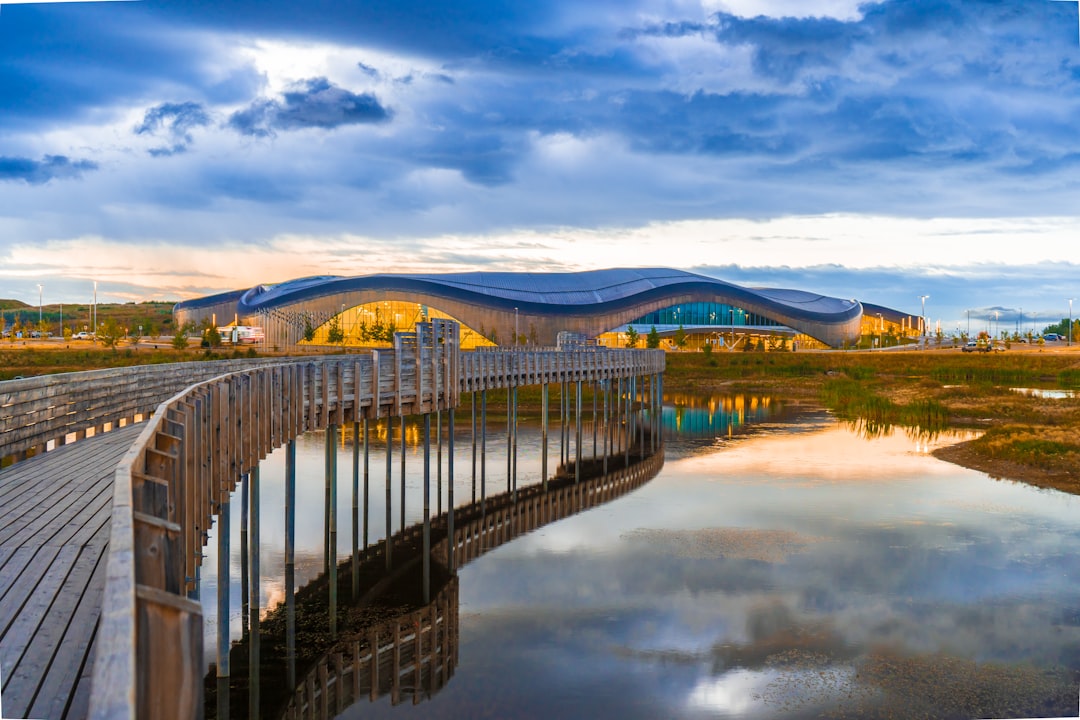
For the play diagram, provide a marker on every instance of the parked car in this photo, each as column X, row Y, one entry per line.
column 82, row 336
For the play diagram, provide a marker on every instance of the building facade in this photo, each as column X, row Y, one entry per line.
column 498, row 308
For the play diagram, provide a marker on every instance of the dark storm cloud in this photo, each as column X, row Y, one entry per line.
column 175, row 122
column 313, row 103
column 39, row 172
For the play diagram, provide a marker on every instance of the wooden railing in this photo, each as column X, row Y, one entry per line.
column 56, row 409
column 202, row 440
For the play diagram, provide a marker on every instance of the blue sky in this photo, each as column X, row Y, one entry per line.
column 879, row 150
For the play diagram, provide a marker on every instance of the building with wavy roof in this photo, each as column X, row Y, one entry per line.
column 530, row 308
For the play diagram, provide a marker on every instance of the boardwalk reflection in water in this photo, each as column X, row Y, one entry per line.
column 412, row 653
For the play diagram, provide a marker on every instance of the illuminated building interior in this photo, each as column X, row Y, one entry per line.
column 718, row 325
column 374, row 325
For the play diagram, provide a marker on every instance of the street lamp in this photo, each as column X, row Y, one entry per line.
column 1070, row 321
column 922, row 320
column 515, row 327
column 969, row 324
column 880, row 329
column 39, row 286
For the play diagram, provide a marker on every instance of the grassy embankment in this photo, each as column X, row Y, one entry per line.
column 1028, row 438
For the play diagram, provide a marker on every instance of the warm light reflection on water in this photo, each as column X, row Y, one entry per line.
column 793, row 569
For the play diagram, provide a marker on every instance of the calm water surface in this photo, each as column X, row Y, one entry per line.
column 780, row 565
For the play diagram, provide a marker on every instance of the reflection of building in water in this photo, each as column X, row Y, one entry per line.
column 414, row 653
column 713, row 416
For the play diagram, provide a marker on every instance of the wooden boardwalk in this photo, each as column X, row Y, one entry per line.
column 54, row 530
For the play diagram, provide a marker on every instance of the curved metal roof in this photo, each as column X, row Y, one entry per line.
column 593, row 292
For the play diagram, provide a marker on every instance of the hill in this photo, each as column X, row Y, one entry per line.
column 154, row 316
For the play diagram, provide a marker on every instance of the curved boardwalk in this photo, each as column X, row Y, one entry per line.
column 54, row 530
column 100, row 539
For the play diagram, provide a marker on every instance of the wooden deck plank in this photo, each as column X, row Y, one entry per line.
column 54, row 533
column 61, row 681
column 79, row 705
column 42, row 647
column 21, row 476
column 51, row 474
column 32, row 566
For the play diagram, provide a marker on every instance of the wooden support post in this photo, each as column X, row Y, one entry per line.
column 331, row 548
column 389, row 488
column 223, row 607
column 244, row 555
column 606, row 384
column 290, row 561
column 254, row 661
column 544, row 435
column 509, row 436
column 451, row 541
column 367, row 480
column 511, row 451
column 427, row 514
column 577, row 435
column 354, row 557
column 594, row 423
column 483, row 448
column 438, row 463
column 473, row 401
column 402, row 423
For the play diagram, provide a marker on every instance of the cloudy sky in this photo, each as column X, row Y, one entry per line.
column 877, row 150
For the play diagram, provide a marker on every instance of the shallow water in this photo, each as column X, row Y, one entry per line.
column 1048, row 393
column 780, row 565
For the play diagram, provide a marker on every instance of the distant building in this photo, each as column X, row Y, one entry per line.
column 496, row 308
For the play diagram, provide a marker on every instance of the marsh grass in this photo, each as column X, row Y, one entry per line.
column 925, row 393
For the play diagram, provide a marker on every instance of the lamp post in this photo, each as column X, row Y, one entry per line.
column 731, row 322
column 880, row 329
column 515, row 327
column 922, row 320
column 39, row 305
column 93, row 321
column 969, row 324
column 1070, row 321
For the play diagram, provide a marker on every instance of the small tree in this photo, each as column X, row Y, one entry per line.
column 211, row 336
column 680, row 337
column 180, row 337
column 309, row 329
column 334, row 333
column 707, row 348
column 631, row 337
column 110, row 334
column 652, row 340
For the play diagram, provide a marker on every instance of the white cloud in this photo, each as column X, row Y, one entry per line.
column 847, row 10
